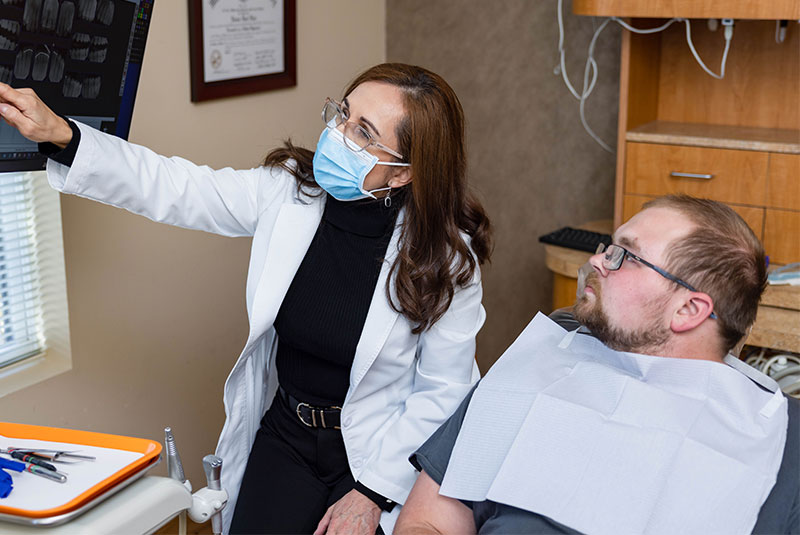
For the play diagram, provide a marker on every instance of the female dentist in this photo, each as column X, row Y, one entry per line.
column 363, row 290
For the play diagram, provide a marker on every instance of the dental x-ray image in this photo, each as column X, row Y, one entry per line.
column 82, row 57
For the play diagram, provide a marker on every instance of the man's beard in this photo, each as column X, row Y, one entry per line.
column 645, row 340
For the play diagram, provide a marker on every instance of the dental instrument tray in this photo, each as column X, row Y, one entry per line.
column 118, row 461
column 576, row 238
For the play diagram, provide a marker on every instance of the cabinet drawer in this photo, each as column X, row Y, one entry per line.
column 631, row 204
column 782, row 236
column 736, row 176
column 783, row 185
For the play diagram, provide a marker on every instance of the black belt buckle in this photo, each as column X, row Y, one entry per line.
column 316, row 421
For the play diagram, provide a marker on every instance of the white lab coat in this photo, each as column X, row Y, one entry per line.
column 402, row 386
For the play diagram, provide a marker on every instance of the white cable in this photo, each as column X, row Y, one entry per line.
column 728, row 36
column 590, row 71
column 589, row 87
column 756, row 361
column 787, row 371
column 783, row 360
column 779, row 367
column 562, row 65
column 780, row 30
column 765, row 368
column 644, row 31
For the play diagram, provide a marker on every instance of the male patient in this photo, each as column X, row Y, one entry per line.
column 655, row 430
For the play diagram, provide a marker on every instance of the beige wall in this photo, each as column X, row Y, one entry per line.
column 529, row 158
column 157, row 314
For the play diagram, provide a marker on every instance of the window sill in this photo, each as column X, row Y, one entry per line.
column 33, row 370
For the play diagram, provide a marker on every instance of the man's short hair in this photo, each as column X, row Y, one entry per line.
column 721, row 257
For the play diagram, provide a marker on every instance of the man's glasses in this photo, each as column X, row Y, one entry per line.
column 616, row 254
column 356, row 137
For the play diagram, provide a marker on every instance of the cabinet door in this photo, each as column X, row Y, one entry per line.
column 783, row 186
column 731, row 176
column 782, row 236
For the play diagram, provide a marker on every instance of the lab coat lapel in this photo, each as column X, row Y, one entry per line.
column 294, row 229
column 380, row 318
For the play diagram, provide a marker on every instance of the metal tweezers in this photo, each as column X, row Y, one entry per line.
column 63, row 456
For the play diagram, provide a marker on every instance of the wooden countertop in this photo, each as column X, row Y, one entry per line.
column 717, row 136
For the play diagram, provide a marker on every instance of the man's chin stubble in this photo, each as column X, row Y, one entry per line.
column 644, row 341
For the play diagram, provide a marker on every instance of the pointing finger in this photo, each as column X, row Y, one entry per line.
column 21, row 122
column 11, row 115
column 11, row 95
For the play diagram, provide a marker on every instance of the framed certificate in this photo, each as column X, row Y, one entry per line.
column 241, row 46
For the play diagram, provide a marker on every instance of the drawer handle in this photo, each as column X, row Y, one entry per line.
column 676, row 174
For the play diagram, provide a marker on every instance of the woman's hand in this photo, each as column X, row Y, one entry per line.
column 25, row 111
column 353, row 514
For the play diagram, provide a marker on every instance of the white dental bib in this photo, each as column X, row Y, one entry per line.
column 606, row 442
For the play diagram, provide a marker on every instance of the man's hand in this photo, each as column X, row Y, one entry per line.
column 353, row 514
column 25, row 111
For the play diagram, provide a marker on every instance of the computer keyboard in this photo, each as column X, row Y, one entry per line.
column 575, row 238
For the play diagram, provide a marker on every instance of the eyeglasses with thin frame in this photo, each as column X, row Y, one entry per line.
column 616, row 254
column 356, row 137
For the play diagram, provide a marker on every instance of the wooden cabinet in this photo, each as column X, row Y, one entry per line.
column 735, row 140
column 739, row 136
column 690, row 9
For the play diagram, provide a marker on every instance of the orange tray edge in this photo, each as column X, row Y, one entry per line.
column 150, row 449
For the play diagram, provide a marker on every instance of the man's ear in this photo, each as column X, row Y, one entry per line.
column 695, row 309
column 401, row 177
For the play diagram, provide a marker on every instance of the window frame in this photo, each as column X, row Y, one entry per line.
column 56, row 356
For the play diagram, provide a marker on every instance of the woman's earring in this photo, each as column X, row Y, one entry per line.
column 387, row 201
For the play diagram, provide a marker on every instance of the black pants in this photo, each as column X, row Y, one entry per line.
column 293, row 475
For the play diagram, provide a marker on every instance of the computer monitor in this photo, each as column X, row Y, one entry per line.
column 82, row 57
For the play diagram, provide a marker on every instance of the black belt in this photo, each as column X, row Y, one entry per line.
column 312, row 416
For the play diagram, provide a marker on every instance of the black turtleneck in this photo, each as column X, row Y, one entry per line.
column 322, row 316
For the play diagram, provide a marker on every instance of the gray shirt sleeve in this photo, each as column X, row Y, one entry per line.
column 434, row 455
column 781, row 512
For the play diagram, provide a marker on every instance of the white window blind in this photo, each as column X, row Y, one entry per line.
column 21, row 325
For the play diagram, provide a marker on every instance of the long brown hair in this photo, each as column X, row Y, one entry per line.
column 434, row 257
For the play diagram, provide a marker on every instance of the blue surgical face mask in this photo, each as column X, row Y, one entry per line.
column 341, row 171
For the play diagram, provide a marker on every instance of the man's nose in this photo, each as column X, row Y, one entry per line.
column 596, row 262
